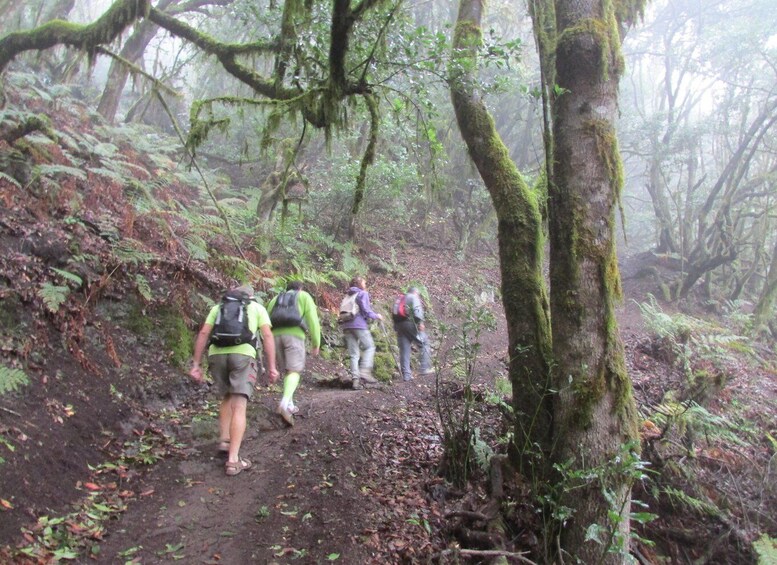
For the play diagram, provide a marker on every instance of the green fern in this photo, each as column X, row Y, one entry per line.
column 143, row 288
column 109, row 174
column 197, row 247
column 105, row 150
column 680, row 415
column 56, row 170
column 766, row 549
column 129, row 251
column 78, row 281
column 53, row 296
column 12, row 379
column 700, row 507
column 10, row 179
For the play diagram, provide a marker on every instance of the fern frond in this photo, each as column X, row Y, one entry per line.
column 693, row 504
column 53, row 296
column 105, row 150
column 107, row 173
column 766, row 548
column 11, row 379
column 69, row 276
column 143, row 288
column 10, row 179
column 42, row 93
column 196, row 246
column 55, row 170
column 39, row 139
column 129, row 251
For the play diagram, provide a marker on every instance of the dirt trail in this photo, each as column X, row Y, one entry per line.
column 313, row 495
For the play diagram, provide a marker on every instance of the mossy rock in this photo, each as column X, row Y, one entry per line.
column 385, row 366
column 178, row 339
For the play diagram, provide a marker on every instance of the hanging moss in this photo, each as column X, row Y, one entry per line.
column 629, row 11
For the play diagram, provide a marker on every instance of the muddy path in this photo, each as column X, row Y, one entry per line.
column 322, row 491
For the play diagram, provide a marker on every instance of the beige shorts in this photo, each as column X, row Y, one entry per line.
column 290, row 353
column 233, row 373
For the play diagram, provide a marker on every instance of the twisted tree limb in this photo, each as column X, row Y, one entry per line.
column 105, row 29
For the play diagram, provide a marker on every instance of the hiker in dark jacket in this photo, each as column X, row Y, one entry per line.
column 410, row 329
column 358, row 338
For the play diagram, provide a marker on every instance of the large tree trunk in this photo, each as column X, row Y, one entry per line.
column 595, row 413
column 118, row 72
column 764, row 309
column 520, row 248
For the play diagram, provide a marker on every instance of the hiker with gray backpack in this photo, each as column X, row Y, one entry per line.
column 354, row 318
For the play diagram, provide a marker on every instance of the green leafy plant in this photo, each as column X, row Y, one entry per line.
column 766, row 548
column 11, row 379
column 131, row 251
column 462, row 446
column 68, row 276
column 624, row 467
column 143, row 288
column 53, row 296
column 4, row 442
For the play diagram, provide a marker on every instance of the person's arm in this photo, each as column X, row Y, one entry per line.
column 313, row 323
column 418, row 312
column 363, row 299
column 269, row 350
column 199, row 348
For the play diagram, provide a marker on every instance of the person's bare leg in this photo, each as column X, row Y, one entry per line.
column 225, row 417
column 237, row 425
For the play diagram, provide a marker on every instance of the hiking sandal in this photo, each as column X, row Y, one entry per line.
column 224, row 446
column 235, row 468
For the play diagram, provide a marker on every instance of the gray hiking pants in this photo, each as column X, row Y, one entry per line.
column 407, row 334
column 361, row 349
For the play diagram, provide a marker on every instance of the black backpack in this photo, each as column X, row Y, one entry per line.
column 285, row 313
column 231, row 326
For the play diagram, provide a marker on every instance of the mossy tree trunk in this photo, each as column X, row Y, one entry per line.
column 520, row 247
column 119, row 73
column 764, row 309
column 595, row 415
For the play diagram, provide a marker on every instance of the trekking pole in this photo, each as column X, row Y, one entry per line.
column 391, row 350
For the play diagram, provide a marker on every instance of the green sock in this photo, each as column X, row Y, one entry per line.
column 289, row 386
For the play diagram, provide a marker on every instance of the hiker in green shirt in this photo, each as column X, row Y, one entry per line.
column 232, row 362
column 293, row 313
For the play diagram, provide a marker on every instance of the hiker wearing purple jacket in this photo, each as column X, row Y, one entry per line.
column 358, row 339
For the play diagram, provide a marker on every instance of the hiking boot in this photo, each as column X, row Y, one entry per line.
column 357, row 384
column 429, row 371
column 366, row 377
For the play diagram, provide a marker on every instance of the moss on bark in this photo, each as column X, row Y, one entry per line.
column 520, row 248
column 108, row 27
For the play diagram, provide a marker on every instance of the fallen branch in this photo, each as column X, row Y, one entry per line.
column 474, row 516
column 10, row 411
column 519, row 557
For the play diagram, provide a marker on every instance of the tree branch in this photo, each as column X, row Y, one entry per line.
column 85, row 37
